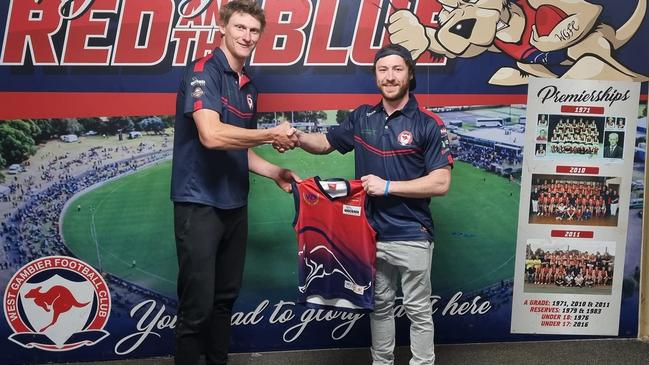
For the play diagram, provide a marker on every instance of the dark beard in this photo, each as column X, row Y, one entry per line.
column 403, row 91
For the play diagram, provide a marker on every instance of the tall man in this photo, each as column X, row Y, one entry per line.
column 402, row 158
column 214, row 132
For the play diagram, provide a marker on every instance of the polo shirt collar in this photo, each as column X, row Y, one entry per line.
column 408, row 110
column 220, row 57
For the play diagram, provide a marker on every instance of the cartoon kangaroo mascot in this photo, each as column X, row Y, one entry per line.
column 58, row 298
column 535, row 33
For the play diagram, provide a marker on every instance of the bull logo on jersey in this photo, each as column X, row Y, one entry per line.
column 537, row 35
column 57, row 303
column 321, row 262
column 405, row 138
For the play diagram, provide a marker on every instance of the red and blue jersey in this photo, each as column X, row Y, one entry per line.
column 200, row 175
column 407, row 145
column 336, row 245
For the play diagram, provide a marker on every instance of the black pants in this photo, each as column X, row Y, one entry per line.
column 211, row 248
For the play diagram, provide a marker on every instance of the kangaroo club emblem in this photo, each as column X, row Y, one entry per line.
column 57, row 303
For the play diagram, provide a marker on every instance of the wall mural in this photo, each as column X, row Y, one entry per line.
column 88, row 88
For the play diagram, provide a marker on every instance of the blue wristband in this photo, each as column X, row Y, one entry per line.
column 387, row 188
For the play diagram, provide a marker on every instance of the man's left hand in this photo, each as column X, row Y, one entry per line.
column 285, row 178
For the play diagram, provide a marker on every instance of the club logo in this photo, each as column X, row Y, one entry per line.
column 57, row 303
column 405, row 138
column 249, row 99
column 310, row 198
column 198, row 92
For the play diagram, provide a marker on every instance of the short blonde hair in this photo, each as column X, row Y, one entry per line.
column 242, row 6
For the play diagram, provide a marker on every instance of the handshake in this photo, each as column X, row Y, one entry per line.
column 285, row 137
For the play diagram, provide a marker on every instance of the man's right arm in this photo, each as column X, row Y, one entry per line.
column 214, row 134
column 315, row 143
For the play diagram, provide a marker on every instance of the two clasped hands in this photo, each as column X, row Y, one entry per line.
column 285, row 137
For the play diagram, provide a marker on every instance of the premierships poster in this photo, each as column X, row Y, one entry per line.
column 574, row 206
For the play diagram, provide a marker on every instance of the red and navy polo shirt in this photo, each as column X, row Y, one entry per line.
column 199, row 175
column 407, row 145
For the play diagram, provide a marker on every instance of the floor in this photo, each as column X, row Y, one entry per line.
column 586, row 352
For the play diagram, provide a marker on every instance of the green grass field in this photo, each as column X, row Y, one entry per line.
column 131, row 219
column 475, row 228
column 127, row 219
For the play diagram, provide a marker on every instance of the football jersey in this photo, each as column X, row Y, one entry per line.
column 336, row 245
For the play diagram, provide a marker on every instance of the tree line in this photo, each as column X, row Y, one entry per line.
column 308, row 116
column 19, row 138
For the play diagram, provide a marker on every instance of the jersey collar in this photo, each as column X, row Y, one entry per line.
column 223, row 61
column 408, row 110
column 339, row 188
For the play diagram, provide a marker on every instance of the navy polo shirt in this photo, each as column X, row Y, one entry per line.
column 200, row 175
column 404, row 146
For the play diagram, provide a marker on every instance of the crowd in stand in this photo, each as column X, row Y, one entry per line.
column 30, row 229
column 485, row 157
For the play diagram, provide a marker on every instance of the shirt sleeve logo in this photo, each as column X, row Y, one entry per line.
column 249, row 100
column 198, row 92
column 197, row 82
column 444, row 143
column 405, row 138
column 197, row 86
